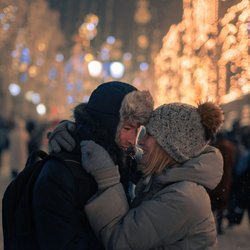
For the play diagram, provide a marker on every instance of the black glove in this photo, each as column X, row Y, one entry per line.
column 61, row 138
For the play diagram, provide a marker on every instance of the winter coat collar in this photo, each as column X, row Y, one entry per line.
column 205, row 169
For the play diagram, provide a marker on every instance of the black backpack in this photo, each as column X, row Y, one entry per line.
column 17, row 214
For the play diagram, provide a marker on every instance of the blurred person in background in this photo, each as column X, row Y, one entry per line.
column 36, row 131
column 221, row 194
column 239, row 196
column 4, row 138
column 18, row 139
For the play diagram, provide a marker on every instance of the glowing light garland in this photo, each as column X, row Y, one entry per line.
column 196, row 62
column 234, row 70
column 185, row 67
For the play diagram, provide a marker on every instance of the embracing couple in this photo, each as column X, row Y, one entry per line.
column 146, row 193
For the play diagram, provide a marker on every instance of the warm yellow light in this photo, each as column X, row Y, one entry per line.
column 142, row 41
column 88, row 57
column 195, row 57
column 28, row 95
column 92, row 18
column 41, row 46
column 246, row 88
column 33, row 71
column 23, row 67
column 210, row 44
column 229, row 97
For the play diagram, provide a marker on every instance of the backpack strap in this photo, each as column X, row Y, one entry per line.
column 34, row 156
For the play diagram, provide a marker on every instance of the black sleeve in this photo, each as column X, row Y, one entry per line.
column 59, row 221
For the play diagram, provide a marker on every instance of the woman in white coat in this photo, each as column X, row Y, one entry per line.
column 172, row 209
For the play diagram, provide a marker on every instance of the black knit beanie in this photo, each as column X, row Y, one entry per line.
column 105, row 102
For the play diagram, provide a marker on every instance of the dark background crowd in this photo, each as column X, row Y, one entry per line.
column 231, row 198
column 20, row 137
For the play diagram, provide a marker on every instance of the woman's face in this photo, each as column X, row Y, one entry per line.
column 147, row 143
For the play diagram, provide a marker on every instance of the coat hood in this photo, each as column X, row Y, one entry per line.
column 205, row 169
column 88, row 129
column 105, row 102
column 113, row 102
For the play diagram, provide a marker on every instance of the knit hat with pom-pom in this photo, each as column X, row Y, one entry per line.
column 183, row 130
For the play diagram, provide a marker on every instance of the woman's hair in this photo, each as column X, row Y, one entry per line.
column 157, row 161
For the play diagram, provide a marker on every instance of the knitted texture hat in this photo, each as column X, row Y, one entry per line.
column 182, row 130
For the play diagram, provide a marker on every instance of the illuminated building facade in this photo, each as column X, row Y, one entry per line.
column 205, row 57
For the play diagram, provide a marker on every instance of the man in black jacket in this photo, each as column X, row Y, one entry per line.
column 111, row 118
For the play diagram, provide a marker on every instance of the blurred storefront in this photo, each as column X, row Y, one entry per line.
column 205, row 56
column 237, row 110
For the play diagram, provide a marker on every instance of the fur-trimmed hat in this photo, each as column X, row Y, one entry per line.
column 183, row 130
column 136, row 107
column 113, row 102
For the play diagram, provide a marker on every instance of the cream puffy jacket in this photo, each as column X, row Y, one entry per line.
column 178, row 216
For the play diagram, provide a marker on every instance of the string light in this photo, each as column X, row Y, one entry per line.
column 30, row 58
column 233, row 41
column 195, row 56
column 187, row 58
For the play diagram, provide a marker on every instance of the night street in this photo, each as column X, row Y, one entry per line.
column 144, row 102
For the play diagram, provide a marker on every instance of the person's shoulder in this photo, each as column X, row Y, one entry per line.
column 186, row 194
column 54, row 171
column 68, row 170
column 182, row 189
